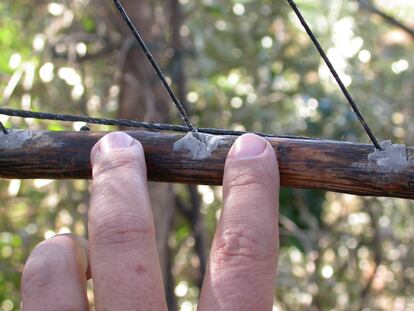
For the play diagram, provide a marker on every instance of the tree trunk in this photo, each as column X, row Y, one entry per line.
column 143, row 98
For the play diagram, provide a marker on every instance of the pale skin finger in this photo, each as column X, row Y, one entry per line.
column 54, row 276
column 243, row 261
column 124, row 259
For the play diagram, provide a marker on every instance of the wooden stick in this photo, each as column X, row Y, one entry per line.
column 312, row 164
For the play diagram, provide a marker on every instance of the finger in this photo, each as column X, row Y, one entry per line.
column 54, row 277
column 243, row 260
column 124, row 259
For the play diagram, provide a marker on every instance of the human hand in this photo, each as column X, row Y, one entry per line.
column 122, row 256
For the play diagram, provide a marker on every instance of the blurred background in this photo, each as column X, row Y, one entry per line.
column 236, row 64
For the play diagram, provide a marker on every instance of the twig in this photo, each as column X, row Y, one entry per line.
column 376, row 243
column 326, row 165
column 194, row 218
column 368, row 5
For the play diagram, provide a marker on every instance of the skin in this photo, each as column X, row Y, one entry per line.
column 121, row 255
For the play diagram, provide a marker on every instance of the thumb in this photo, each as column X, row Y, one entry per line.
column 243, row 259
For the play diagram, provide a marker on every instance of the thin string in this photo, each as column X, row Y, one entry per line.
column 183, row 113
column 25, row 114
column 335, row 75
column 174, row 98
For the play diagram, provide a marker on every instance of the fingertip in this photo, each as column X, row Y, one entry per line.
column 54, row 275
column 254, row 148
column 110, row 142
column 251, row 161
column 248, row 146
column 79, row 245
column 94, row 153
column 116, row 150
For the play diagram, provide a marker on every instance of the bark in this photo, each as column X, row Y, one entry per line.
column 321, row 164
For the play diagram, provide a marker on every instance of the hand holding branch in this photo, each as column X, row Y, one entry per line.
column 121, row 255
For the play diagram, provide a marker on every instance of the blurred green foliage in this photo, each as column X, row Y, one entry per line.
column 250, row 66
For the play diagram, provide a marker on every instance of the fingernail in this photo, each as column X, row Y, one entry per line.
column 248, row 146
column 115, row 140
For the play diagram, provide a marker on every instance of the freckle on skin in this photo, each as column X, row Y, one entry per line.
column 140, row 269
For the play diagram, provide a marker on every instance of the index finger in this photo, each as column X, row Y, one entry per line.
column 242, row 266
column 124, row 259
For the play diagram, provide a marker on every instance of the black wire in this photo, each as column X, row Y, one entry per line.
column 335, row 75
column 130, row 123
column 154, row 64
column 182, row 111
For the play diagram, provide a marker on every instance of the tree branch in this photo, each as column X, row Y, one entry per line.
column 321, row 164
column 368, row 5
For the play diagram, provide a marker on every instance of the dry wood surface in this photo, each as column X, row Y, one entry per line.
column 313, row 164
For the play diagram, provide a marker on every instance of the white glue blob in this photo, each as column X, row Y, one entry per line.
column 199, row 145
column 14, row 138
column 393, row 158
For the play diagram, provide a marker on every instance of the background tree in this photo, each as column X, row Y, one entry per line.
column 240, row 65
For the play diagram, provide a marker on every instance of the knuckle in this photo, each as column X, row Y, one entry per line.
column 46, row 264
column 246, row 180
column 113, row 229
column 242, row 246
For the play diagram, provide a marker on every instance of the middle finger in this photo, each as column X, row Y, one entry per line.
column 124, row 259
